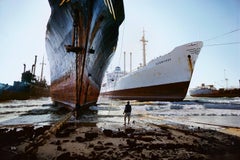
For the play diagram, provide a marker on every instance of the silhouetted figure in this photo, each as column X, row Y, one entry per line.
column 127, row 112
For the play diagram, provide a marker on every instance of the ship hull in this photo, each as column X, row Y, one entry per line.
column 219, row 93
column 164, row 78
column 24, row 92
column 83, row 26
column 167, row 92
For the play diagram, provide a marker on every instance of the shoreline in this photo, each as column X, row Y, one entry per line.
column 76, row 140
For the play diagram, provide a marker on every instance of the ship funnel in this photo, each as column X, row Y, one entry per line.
column 24, row 68
column 35, row 62
column 32, row 68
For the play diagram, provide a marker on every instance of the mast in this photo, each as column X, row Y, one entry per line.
column 144, row 48
column 42, row 69
column 130, row 61
column 226, row 79
column 124, row 63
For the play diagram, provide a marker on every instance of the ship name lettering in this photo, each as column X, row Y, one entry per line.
column 163, row 61
column 194, row 50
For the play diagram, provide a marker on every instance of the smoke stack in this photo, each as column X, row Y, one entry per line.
column 32, row 68
column 24, row 68
column 35, row 62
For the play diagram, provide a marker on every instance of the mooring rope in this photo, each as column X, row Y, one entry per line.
column 42, row 139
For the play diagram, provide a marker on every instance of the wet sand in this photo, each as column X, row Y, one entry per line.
column 114, row 141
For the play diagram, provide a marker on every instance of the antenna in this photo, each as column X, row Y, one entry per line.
column 144, row 48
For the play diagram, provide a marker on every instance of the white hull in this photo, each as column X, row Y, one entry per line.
column 173, row 68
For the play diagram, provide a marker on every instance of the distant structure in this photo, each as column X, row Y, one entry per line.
column 144, row 42
column 28, row 88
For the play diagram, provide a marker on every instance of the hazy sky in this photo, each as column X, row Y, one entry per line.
column 167, row 24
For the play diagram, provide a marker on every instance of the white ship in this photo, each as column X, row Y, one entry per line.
column 164, row 78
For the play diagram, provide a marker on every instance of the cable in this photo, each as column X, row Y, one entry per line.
column 222, row 35
column 221, row 44
column 119, row 59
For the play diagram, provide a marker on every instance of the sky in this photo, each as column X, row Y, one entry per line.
column 167, row 24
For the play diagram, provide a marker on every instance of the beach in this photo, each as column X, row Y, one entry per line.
column 157, row 130
column 76, row 140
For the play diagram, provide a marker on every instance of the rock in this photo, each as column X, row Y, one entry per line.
column 155, row 146
column 170, row 137
column 131, row 142
column 125, row 153
column 59, row 148
column 62, row 134
column 120, row 145
column 58, row 142
column 91, row 135
column 154, row 156
column 29, row 131
column 93, row 154
column 13, row 148
column 151, row 133
column 108, row 132
column 99, row 147
column 129, row 130
column 80, row 139
column 64, row 156
column 109, row 144
column 146, row 138
column 90, row 146
column 65, row 132
column 143, row 155
column 119, row 134
column 3, row 130
column 110, row 152
column 80, row 157
column 70, row 130
column 65, row 140
column 41, row 130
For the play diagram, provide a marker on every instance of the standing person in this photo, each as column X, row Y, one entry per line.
column 127, row 112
